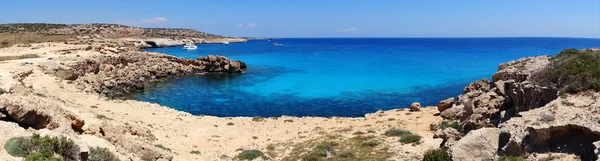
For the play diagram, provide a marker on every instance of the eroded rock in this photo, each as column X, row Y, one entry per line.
column 445, row 104
column 481, row 144
column 416, row 106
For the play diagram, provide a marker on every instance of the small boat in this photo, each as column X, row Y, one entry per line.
column 277, row 44
column 189, row 46
column 225, row 42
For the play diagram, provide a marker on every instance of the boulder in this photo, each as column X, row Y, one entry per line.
column 66, row 74
column 449, row 135
column 416, row 106
column 445, row 104
column 481, row 144
column 453, row 113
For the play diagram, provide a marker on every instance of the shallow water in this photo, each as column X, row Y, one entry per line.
column 342, row 77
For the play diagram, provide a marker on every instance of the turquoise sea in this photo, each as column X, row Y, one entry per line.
column 342, row 76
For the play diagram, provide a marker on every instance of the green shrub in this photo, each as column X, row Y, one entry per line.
column 396, row 132
column 436, row 155
column 44, row 148
column 410, row 138
column 101, row 154
column 230, row 124
column 347, row 154
column 571, row 71
column 162, row 147
column 250, row 155
column 510, row 158
column 358, row 133
column 454, row 125
column 195, row 152
column 40, row 157
column 4, row 42
column 258, row 118
column 369, row 143
column 18, row 146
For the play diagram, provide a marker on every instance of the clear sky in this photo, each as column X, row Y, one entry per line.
column 327, row 18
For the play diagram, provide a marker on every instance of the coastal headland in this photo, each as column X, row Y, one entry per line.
column 71, row 86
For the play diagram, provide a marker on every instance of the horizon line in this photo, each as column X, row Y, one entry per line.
column 417, row 37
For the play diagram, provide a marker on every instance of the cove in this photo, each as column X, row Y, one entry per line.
column 342, row 76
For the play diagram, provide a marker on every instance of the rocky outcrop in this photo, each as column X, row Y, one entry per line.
column 479, row 103
column 481, row 144
column 524, row 96
column 520, row 70
column 484, row 105
column 116, row 76
column 38, row 113
column 123, row 138
column 565, row 125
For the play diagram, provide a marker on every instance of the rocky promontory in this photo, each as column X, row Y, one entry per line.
column 525, row 112
column 118, row 75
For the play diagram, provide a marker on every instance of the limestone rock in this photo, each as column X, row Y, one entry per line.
column 567, row 125
column 524, row 96
column 66, row 74
column 416, row 106
column 37, row 112
column 445, row 104
column 481, row 144
column 117, row 75
column 453, row 113
column 520, row 70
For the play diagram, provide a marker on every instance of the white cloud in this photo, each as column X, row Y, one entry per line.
column 249, row 25
column 351, row 29
column 154, row 20
column 123, row 22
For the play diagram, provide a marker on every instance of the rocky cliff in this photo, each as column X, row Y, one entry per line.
column 515, row 116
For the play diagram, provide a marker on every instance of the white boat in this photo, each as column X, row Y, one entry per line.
column 277, row 44
column 189, row 46
column 225, row 42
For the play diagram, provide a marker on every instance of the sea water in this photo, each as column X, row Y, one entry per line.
column 342, row 76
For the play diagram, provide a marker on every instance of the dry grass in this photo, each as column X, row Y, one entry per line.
column 336, row 148
column 21, row 38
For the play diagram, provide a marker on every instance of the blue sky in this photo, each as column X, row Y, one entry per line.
column 328, row 18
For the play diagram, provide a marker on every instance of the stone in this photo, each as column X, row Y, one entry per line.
column 416, row 106
column 452, row 113
column 445, row 104
column 66, row 74
column 481, row 144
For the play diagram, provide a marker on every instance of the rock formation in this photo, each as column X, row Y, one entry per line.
column 116, row 76
column 512, row 116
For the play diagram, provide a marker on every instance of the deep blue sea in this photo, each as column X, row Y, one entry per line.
column 342, row 77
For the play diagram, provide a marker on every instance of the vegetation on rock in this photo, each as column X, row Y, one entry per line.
column 572, row 71
column 334, row 148
column 436, row 155
column 101, row 154
column 18, row 146
column 37, row 147
column 250, row 154
column 396, row 132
